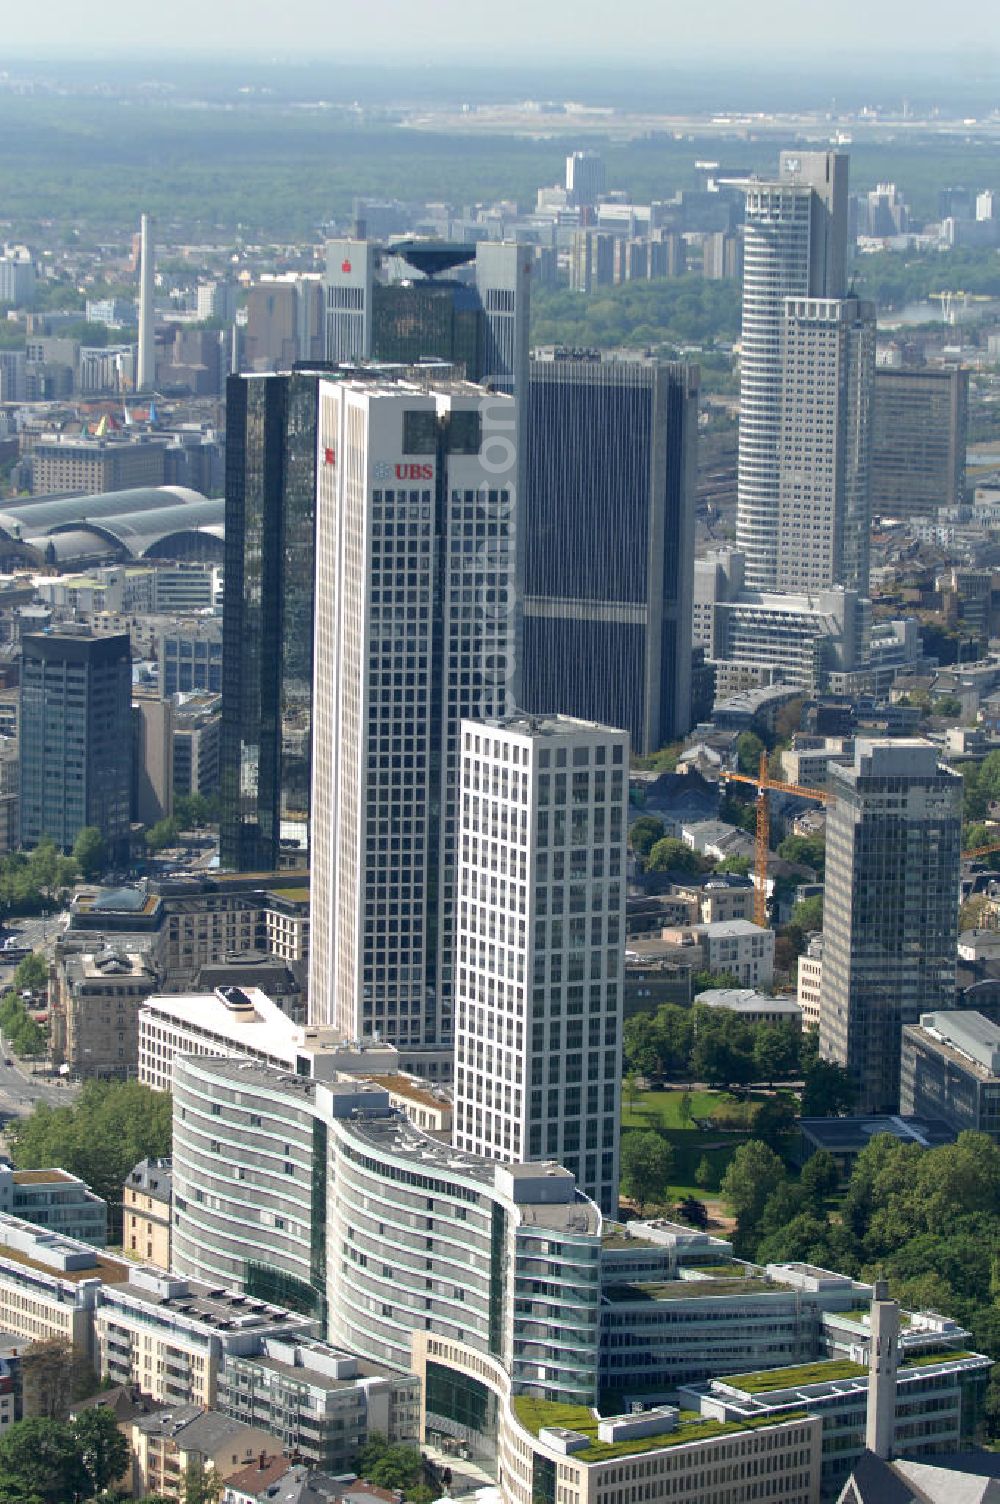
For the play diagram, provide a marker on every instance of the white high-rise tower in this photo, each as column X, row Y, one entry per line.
column 795, row 247
column 146, row 373
column 541, row 944
column 414, row 629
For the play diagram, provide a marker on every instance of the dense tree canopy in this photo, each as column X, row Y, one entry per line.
column 928, row 1220
column 110, row 1126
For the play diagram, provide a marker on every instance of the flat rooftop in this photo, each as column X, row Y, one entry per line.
column 207, row 1305
column 713, row 1287
column 403, row 1086
column 249, row 1019
column 850, row 1135
column 537, row 1415
column 842, row 1373
column 45, row 1177
column 966, row 1037
column 111, row 1271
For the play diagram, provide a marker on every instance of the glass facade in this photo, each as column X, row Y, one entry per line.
column 608, row 545
column 76, row 739
column 460, row 1407
column 411, row 321
column 267, row 642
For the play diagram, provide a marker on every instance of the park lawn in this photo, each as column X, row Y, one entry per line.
column 662, row 1110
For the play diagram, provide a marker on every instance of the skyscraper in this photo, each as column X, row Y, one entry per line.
column 76, row 738
column 919, row 440
column 795, row 246
column 480, row 325
column 268, row 619
column 541, row 944
column 890, row 908
column 824, row 444
column 584, row 177
column 607, row 530
column 414, row 630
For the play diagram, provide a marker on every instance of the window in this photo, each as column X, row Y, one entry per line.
column 419, row 432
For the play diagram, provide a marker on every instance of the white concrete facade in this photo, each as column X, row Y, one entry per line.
column 541, row 944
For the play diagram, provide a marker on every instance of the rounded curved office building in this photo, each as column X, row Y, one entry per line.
column 149, row 522
column 484, row 1278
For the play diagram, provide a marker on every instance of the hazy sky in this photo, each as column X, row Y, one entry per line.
column 539, row 31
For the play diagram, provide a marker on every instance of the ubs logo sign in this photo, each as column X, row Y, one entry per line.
column 382, row 471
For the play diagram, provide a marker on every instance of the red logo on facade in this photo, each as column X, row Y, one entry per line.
column 330, row 456
column 345, row 266
column 414, row 472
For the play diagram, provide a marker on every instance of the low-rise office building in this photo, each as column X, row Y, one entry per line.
column 322, row 1405
column 736, row 946
column 751, row 1006
column 50, row 1285
column 171, row 1337
column 564, row 1452
column 242, row 1022
column 950, row 1070
column 938, row 1405
column 810, row 978
column 56, row 1200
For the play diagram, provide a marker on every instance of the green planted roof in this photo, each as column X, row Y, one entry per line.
column 769, row 1379
column 535, row 1415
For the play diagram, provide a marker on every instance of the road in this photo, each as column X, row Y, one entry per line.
column 21, row 1091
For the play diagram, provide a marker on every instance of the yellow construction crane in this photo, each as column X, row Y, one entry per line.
column 764, row 783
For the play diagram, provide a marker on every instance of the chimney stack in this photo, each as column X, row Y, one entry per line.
column 882, row 1364
column 146, row 373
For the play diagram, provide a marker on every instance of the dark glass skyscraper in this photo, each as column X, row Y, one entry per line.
column 268, row 619
column 76, row 738
column 607, row 544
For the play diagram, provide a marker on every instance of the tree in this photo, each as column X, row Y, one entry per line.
column 773, row 1119
column 107, row 1130
column 988, row 781
column 972, row 913
column 201, row 1485
column 739, row 865
column 43, row 1459
column 808, row 915
column 90, row 852
column 704, row 1175
column 807, row 851
column 54, row 1374
column 390, row 1466
column 753, row 1173
column 647, row 1161
column 51, row 872
column 819, row 1177
column 104, row 1449
column 693, row 1211
column 670, row 855
column 31, row 974
column 192, row 811
column 775, row 1051
column 164, row 833
column 828, row 1090
column 748, row 752
column 644, row 833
